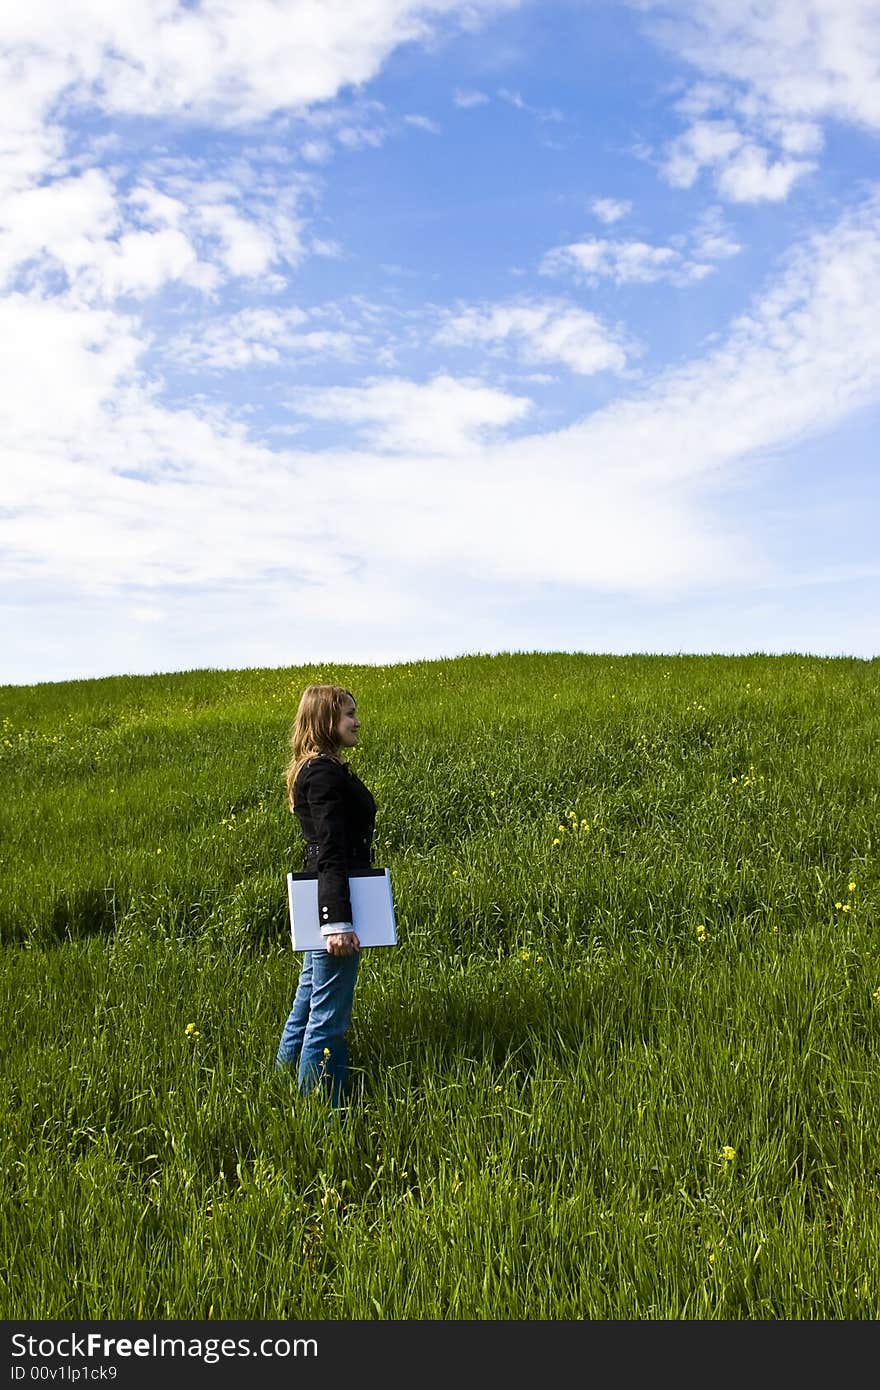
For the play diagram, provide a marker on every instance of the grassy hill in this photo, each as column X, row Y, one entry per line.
column 622, row 1064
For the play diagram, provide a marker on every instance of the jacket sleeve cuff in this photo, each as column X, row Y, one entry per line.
column 331, row 928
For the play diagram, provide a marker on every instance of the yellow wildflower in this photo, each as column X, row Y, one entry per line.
column 876, row 996
column 700, row 929
column 728, row 1154
column 326, row 1052
column 525, row 955
column 846, row 907
column 851, row 887
column 561, row 829
column 557, row 842
column 838, row 906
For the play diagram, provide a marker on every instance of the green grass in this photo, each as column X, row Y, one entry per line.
column 549, row 1069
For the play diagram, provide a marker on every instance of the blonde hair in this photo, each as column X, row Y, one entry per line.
column 314, row 729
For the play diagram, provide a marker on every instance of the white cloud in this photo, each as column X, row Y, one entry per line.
column 112, row 489
column 543, row 113
column 541, row 332
column 806, row 60
column 744, row 171
column 106, row 244
column 316, row 151
column 73, row 356
column 260, row 336
column 805, row 355
column 705, row 144
column 108, row 488
column 221, row 64
column 753, row 177
column 67, row 220
column 468, row 99
column 796, row 137
column 686, row 262
column 776, row 69
column 442, row 416
column 244, row 247
column 29, row 144
column 145, row 261
column 361, row 137
column 711, row 239
column 610, row 210
column 624, row 262
column 325, row 246
column 355, row 122
column 224, row 62
column 629, row 498
column 423, row 123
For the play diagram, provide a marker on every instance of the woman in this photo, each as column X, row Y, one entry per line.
column 337, row 815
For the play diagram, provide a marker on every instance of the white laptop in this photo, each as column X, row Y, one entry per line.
column 372, row 907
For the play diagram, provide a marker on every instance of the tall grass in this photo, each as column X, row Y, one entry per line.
column 623, row 1063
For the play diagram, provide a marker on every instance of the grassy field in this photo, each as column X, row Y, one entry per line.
column 622, row 1065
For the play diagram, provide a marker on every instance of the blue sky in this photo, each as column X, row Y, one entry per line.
column 383, row 330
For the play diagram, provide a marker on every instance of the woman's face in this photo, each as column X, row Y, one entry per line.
column 347, row 726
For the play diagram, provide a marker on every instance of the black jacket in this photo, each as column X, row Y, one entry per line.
column 337, row 815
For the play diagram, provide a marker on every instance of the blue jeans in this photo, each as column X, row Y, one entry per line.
column 314, row 1034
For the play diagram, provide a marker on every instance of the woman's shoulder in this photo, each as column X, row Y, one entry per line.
column 321, row 765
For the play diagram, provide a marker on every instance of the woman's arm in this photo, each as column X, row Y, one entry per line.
column 325, row 792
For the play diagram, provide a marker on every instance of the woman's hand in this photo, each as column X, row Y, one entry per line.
column 343, row 943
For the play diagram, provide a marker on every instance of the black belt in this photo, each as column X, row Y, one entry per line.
column 365, row 842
